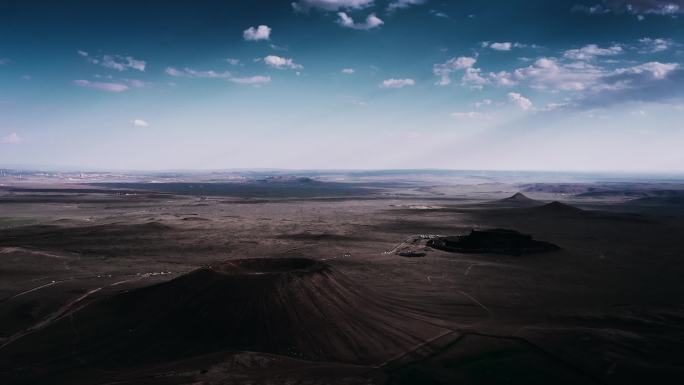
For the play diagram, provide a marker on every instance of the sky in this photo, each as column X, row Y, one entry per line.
column 579, row 85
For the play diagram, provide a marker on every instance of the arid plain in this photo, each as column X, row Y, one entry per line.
column 136, row 280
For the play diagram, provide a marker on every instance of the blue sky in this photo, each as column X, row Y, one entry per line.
column 527, row 85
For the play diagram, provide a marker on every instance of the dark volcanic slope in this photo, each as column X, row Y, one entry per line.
column 495, row 241
column 520, row 200
column 556, row 207
column 294, row 307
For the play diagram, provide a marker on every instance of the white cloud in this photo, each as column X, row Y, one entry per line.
column 470, row 115
column 634, row 7
column 174, row 72
column 587, row 83
column 102, row 86
column 649, row 45
column 504, row 46
column 281, row 62
column 520, row 101
column 232, row 61
column 437, row 13
column 444, row 70
column 115, row 62
column 593, row 85
column 461, row 62
column 502, row 78
column 278, row 47
column 12, row 138
column 397, row 83
column 549, row 74
column 668, row 8
column 371, row 22
column 591, row 51
column 262, row 32
column 136, row 64
column 655, row 69
column 348, row 71
column 191, row 73
column 330, row 5
column 473, row 79
column 136, row 83
column 253, row 80
column 400, row 4
column 482, row 103
column 139, row 123
column 556, row 106
column 596, row 9
column 207, row 74
column 226, row 75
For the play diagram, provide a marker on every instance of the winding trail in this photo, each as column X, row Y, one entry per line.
column 63, row 310
column 37, row 288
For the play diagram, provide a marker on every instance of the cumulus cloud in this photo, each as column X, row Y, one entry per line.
column 348, row 71
column 232, row 61
column 252, row 80
column 437, row 13
column 191, row 73
column 503, row 46
column 400, row 4
column 444, row 70
column 174, row 72
column 226, row 75
column 502, row 78
column 102, row 86
column 550, row 74
column 635, row 7
column 115, row 62
column 648, row 45
column 648, row 82
column 128, row 62
column 556, row 106
column 397, row 83
column 655, row 70
column 136, row 83
column 262, row 32
column 472, row 77
column 281, row 62
column 206, row 74
column 482, row 103
column 139, row 123
column 330, row 5
column 591, row 51
column 522, row 102
column 591, row 85
column 506, row 45
column 470, row 115
column 11, row 138
column 596, row 9
column 347, row 21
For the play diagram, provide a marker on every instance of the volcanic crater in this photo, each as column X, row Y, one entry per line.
column 295, row 307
